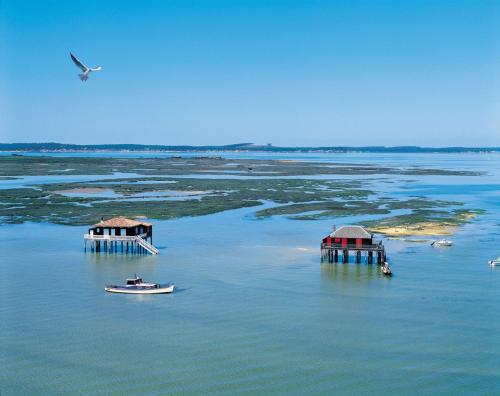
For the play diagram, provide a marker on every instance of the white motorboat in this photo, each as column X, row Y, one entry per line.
column 494, row 263
column 442, row 242
column 137, row 286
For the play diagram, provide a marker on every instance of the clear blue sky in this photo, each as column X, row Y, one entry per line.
column 220, row 72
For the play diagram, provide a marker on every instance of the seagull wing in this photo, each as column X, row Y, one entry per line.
column 78, row 63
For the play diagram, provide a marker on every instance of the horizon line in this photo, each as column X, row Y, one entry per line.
column 55, row 146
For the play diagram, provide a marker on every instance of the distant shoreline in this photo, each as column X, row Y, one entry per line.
column 243, row 147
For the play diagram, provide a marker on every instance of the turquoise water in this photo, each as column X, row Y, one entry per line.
column 255, row 311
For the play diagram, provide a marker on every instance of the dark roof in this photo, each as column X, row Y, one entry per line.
column 351, row 232
column 121, row 222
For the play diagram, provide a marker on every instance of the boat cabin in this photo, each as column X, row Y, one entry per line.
column 135, row 281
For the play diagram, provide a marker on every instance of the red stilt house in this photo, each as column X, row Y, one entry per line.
column 351, row 238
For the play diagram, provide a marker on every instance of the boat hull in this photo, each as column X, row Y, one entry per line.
column 442, row 242
column 140, row 290
column 386, row 270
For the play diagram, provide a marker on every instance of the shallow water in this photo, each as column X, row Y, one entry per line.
column 255, row 311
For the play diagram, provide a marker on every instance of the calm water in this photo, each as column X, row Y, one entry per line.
column 255, row 312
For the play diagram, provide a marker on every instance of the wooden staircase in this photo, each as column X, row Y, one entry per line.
column 146, row 245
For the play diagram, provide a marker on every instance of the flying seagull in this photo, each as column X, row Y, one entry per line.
column 86, row 70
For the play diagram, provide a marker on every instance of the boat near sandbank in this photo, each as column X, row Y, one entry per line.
column 442, row 242
column 494, row 262
column 137, row 286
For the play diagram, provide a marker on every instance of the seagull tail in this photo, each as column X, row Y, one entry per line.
column 83, row 77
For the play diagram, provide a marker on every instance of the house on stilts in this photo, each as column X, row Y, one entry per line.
column 120, row 234
column 349, row 239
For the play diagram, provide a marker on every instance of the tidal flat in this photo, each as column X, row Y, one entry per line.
column 42, row 166
column 176, row 187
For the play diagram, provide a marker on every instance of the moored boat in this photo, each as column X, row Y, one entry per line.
column 442, row 242
column 494, row 262
column 386, row 270
column 137, row 286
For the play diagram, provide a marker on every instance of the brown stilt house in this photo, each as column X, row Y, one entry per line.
column 120, row 233
column 351, row 239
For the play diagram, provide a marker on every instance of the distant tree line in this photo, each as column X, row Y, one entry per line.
column 238, row 147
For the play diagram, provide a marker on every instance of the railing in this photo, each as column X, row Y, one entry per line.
column 339, row 246
column 112, row 237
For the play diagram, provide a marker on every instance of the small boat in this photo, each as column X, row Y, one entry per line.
column 386, row 270
column 442, row 242
column 137, row 286
column 494, row 263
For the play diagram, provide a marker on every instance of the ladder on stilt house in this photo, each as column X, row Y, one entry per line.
column 146, row 245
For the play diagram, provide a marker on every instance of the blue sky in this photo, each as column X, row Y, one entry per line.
column 220, row 72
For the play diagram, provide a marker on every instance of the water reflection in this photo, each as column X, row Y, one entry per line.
column 351, row 273
column 111, row 268
column 121, row 259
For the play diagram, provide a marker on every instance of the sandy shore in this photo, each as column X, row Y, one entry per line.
column 427, row 229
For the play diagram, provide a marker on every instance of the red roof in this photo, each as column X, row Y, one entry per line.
column 351, row 232
column 121, row 222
